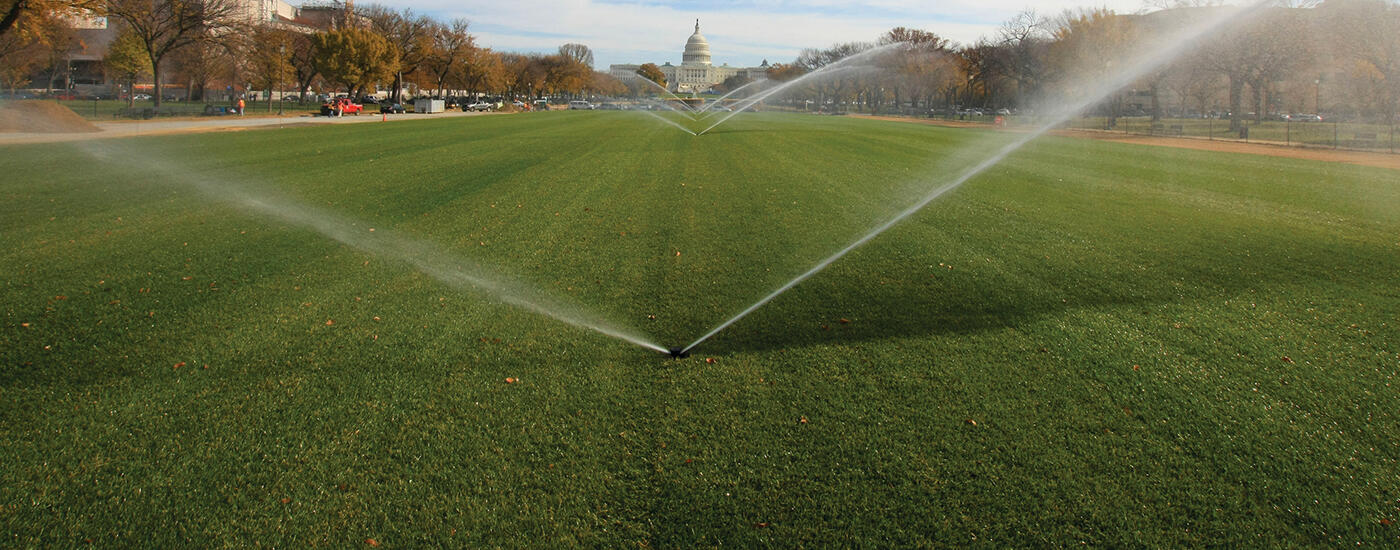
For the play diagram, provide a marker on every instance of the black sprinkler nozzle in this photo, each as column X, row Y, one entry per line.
column 679, row 353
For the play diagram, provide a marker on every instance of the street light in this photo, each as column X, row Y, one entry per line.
column 1317, row 95
column 281, row 61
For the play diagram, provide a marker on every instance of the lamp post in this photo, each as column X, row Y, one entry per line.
column 281, row 65
column 1317, row 95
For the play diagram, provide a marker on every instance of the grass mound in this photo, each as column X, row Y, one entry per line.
column 44, row 117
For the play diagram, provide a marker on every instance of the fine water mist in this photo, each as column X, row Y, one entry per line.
column 1149, row 58
column 846, row 64
column 452, row 270
column 677, row 125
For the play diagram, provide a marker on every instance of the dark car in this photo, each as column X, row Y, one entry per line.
column 396, row 108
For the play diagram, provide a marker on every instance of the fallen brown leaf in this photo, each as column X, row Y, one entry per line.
column 802, row 420
column 845, row 321
column 178, row 365
column 971, row 421
column 329, row 322
column 510, row 380
column 372, row 542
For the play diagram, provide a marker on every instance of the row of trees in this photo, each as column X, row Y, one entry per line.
column 199, row 42
column 1280, row 59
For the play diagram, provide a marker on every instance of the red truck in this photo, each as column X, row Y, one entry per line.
column 341, row 106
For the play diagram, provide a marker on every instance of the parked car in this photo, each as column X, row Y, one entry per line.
column 395, row 108
column 541, row 105
column 1307, row 118
column 580, row 105
column 481, row 106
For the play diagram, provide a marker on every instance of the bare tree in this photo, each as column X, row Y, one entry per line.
column 164, row 26
column 1023, row 42
column 451, row 45
column 410, row 34
column 577, row 52
column 1368, row 32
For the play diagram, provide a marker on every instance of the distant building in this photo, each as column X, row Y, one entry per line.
column 696, row 73
column 82, row 69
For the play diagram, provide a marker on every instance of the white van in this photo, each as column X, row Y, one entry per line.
column 580, row 105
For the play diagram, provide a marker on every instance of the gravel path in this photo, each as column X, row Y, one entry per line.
column 132, row 128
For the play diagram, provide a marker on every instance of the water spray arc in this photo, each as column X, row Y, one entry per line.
column 670, row 122
column 454, row 271
column 844, row 65
column 721, row 99
column 678, row 99
column 1143, row 65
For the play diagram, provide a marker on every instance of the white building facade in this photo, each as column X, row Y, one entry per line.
column 696, row 73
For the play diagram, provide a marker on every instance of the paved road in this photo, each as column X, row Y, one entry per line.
column 120, row 129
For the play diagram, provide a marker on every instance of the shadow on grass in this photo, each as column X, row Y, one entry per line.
column 916, row 302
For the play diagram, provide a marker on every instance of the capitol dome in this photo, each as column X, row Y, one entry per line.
column 697, row 49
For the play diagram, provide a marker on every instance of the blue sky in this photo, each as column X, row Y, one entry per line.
column 741, row 33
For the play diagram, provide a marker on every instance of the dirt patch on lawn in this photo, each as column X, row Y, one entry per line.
column 1362, row 158
column 42, row 117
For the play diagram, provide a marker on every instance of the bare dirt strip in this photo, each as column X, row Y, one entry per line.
column 135, row 128
column 1362, row 158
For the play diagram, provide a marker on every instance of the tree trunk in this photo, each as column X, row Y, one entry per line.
column 1259, row 102
column 1236, row 101
column 155, row 87
column 1156, row 103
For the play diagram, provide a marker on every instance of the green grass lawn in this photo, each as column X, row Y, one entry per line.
column 1090, row 342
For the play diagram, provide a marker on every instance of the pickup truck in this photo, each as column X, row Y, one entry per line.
column 341, row 106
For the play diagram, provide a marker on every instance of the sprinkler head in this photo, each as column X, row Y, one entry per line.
column 678, row 353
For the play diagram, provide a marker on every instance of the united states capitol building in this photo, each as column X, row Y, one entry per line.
column 695, row 73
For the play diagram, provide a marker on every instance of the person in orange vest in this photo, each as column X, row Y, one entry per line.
column 240, row 106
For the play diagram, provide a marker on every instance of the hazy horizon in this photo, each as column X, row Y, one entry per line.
column 741, row 33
